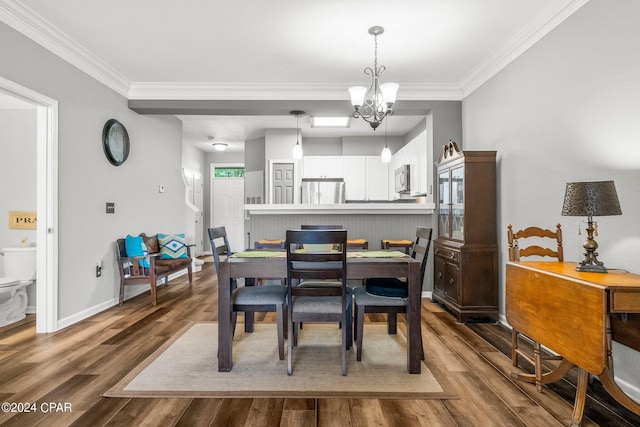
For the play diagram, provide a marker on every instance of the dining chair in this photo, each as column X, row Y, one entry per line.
column 249, row 298
column 321, row 303
column 389, row 295
column 535, row 236
column 317, row 283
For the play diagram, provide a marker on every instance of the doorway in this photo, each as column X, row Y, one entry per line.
column 47, row 199
column 227, row 200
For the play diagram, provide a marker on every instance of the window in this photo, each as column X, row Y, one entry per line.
column 229, row 173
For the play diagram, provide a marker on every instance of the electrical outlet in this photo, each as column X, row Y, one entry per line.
column 111, row 207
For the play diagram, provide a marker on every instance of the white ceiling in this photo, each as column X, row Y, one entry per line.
column 277, row 49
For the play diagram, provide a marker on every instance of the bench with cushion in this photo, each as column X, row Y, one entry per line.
column 146, row 259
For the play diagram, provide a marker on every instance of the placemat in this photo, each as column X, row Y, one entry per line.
column 380, row 254
column 258, row 254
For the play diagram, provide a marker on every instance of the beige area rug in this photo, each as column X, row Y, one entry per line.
column 186, row 366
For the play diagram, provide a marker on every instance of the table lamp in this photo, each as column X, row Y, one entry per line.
column 591, row 199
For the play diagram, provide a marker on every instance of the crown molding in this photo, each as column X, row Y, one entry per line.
column 28, row 23
column 31, row 25
column 284, row 91
column 518, row 43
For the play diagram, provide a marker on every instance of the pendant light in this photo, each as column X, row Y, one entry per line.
column 297, row 149
column 385, row 155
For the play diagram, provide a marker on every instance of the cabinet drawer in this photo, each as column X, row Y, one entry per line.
column 439, row 269
column 447, row 254
column 623, row 301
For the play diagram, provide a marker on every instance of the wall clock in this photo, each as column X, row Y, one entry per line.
column 115, row 141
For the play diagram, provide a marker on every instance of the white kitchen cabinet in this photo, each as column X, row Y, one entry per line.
column 355, row 181
column 322, row 167
column 377, row 181
column 366, row 178
column 415, row 154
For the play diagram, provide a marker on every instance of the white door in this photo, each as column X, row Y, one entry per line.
column 283, row 183
column 228, row 209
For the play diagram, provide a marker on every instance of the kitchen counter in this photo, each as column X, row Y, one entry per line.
column 343, row 208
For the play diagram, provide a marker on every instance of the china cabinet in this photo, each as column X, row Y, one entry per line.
column 465, row 251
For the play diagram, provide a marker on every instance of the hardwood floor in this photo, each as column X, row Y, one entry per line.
column 76, row 365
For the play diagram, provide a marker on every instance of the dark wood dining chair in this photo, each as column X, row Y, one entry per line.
column 317, row 283
column 535, row 237
column 249, row 298
column 321, row 303
column 388, row 295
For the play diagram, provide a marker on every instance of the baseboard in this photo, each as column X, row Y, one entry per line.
column 129, row 293
column 427, row 294
column 84, row 314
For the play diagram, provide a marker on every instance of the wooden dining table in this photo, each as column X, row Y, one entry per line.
column 359, row 266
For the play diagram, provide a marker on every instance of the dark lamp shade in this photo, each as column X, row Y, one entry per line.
column 597, row 198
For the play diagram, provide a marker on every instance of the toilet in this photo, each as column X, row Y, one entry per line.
column 19, row 267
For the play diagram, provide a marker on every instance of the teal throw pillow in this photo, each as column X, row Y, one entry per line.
column 134, row 246
column 172, row 246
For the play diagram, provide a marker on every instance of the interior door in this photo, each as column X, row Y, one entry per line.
column 228, row 209
column 283, row 184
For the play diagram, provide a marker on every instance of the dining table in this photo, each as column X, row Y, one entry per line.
column 360, row 265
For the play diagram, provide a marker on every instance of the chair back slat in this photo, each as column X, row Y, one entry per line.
column 534, row 249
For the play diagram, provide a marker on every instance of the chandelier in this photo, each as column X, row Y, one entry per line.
column 376, row 102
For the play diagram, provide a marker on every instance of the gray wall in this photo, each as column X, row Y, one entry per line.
column 18, row 166
column 86, row 180
column 18, row 186
column 567, row 110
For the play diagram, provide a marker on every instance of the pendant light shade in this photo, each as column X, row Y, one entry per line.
column 385, row 156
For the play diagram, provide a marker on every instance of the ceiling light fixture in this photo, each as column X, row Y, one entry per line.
column 375, row 103
column 385, row 155
column 218, row 146
column 297, row 149
column 330, row 122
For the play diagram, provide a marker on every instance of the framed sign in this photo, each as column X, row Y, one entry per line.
column 22, row 220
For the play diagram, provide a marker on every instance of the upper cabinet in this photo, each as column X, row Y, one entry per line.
column 418, row 156
column 322, row 167
column 366, row 178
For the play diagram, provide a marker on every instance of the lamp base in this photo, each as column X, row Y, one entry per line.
column 591, row 268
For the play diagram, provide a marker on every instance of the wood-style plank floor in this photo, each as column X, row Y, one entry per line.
column 76, row 365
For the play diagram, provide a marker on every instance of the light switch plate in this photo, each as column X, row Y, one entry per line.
column 111, row 207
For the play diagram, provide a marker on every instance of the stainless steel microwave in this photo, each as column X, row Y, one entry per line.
column 402, row 179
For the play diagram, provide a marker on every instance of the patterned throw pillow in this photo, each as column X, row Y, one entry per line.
column 134, row 246
column 172, row 246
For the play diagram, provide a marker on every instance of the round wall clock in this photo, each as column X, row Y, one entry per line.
column 115, row 141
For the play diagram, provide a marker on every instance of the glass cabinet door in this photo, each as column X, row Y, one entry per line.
column 444, row 195
column 457, row 203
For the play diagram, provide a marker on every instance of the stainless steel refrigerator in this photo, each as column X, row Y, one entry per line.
column 322, row 190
